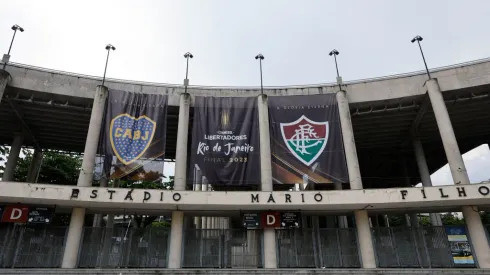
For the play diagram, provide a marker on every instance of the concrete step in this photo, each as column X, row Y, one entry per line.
column 400, row 271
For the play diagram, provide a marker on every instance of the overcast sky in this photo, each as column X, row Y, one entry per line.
column 373, row 38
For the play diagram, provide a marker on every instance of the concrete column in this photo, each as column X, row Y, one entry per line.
column 435, row 218
column 270, row 257
column 197, row 188
column 476, row 231
column 73, row 238
column 342, row 220
column 4, row 79
column 361, row 216
column 182, row 136
column 349, row 142
column 176, row 232
column 365, row 239
column 85, row 178
column 174, row 257
column 8, row 174
column 35, row 166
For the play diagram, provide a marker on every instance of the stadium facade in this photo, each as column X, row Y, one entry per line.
column 296, row 177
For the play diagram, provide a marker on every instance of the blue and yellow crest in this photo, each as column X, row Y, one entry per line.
column 130, row 137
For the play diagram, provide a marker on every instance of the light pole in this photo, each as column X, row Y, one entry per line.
column 187, row 55
column 6, row 57
column 260, row 57
column 109, row 47
column 419, row 38
column 334, row 52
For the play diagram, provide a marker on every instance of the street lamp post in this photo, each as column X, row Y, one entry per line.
column 6, row 57
column 260, row 57
column 334, row 52
column 419, row 38
column 187, row 55
column 109, row 47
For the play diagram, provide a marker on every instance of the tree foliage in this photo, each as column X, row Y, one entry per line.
column 57, row 167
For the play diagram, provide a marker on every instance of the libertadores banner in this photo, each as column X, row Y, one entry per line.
column 133, row 136
column 306, row 140
column 225, row 141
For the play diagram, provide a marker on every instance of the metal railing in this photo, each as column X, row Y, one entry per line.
column 124, row 247
column 323, row 248
column 412, row 247
column 222, row 248
column 31, row 246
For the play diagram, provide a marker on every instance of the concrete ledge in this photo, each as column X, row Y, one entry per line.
column 150, row 199
column 399, row 271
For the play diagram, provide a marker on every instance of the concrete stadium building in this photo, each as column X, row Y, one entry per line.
column 396, row 131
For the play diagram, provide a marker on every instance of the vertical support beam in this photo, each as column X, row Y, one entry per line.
column 4, row 79
column 435, row 218
column 270, row 257
column 476, row 231
column 182, row 136
column 35, row 166
column 361, row 216
column 8, row 174
column 175, row 255
column 85, row 178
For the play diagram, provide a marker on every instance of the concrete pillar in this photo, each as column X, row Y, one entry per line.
column 35, row 166
column 197, row 188
column 270, row 257
column 182, row 136
column 85, row 178
column 361, row 216
column 435, row 218
column 4, row 79
column 176, row 232
column 476, row 231
column 174, row 257
column 8, row 174
column 365, row 239
column 342, row 220
column 73, row 238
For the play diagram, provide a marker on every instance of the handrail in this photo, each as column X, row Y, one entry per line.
column 135, row 82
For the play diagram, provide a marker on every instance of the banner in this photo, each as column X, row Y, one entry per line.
column 460, row 246
column 225, row 141
column 17, row 214
column 133, row 136
column 306, row 140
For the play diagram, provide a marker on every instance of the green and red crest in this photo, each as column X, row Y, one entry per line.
column 306, row 139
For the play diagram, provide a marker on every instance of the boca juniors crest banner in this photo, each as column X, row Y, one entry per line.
column 306, row 140
column 133, row 135
column 225, row 140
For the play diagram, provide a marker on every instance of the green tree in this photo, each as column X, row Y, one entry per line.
column 451, row 219
column 57, row 167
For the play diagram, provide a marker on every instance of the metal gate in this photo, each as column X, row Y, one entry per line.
column 323, row 248
column 222, row 248
column 412, row 247
column 124, row 247
column 25, row 246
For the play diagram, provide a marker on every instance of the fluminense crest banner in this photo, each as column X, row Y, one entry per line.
column 306, row 140
column 133, row 135
column 225, row 141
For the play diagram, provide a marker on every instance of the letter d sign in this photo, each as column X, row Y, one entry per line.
column 271, row 220
column 16, row 214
